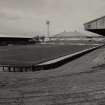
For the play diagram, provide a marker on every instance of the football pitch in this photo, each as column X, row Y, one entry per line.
column 34, row 54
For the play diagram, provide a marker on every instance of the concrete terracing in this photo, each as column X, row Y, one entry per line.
column 81, row 82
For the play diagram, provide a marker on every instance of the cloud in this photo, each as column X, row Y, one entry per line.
column 7, row 14
column 30, row 15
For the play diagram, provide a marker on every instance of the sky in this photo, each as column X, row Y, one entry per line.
column 30, row 16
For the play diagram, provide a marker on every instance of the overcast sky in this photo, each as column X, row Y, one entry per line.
column 25, row 16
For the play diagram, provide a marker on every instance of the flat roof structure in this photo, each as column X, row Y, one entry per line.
column 6, row 39
column 94, row 20
column 96, row 26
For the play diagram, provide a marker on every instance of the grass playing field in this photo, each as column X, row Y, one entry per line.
column 34, row 54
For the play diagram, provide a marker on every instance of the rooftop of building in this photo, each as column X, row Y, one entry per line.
column 95, row 19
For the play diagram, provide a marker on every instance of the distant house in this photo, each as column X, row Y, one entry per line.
column 74, row 35
column 96, row 26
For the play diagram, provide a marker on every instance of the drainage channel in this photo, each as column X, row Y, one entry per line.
column 63, row 60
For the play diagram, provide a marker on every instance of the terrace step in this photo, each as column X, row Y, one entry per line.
column 64, row 59
column 49, row 64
